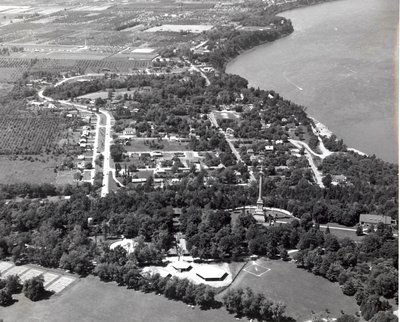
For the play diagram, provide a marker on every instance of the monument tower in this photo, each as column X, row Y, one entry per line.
column 260, row 203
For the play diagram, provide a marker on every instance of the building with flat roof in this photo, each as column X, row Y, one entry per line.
column 210, row 273
column 182, row 266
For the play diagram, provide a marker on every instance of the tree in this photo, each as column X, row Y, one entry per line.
column 77, row 176
column 327, row 231
column 347, row 318
column 33, row 288
column 5, row 297
column 99, row 102
column 384, row 316
column 13, row 284
column 283, row 253
column 359, row 230
column 117, row 151
column 372, row 305
column 327, row 180
column 349, row 288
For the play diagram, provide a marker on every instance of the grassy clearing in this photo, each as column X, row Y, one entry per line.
column 18, row 171
column 92, row 300
column 65, row 177
column 139, row 145
column 344, row 233
column 302, row 291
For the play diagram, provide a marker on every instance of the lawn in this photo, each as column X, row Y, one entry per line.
column 302, row 291
column 18, row 171
column 65, row 177
column 344, row 233
column 92, row 300
column 139, row 145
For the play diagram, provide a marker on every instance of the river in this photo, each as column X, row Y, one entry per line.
column 340, row 62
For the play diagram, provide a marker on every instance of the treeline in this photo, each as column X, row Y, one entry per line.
column 32, row 288
column 367, row 270
column 232, row 42
column 126, row 25
column 44, row 190
column 243, row 302
column 59, row 234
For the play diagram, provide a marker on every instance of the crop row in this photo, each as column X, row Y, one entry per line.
column 28, row 135
column 11, row 69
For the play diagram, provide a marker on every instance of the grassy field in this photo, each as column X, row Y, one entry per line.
column 344, row 233
column 92, row 300
column 17, row 171
column 138, row 145
column 65, row 177
column 302, row 291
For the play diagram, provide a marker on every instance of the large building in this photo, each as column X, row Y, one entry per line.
column 373, row 220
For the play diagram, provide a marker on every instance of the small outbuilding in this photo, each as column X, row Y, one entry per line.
column 127, row 244
column 182, row 266
column 211, row 274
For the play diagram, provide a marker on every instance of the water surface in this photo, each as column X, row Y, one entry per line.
column 340, row 63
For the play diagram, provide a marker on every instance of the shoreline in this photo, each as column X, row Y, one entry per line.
column 322, row 128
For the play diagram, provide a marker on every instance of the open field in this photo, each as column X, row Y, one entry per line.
column 92, row 300
column 65, row 177
column 227, row 115
column 302, row 291
column 26, row 171
column 137, row 145
column 178, row 28
column 344, row 233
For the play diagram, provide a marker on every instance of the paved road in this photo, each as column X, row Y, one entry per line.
column 309, row 155
column 338, row 228
column 230, row 143
column 201, row 73
column 107, row 140
column 74, row 78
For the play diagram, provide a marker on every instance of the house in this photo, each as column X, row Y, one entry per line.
column 339, row 179
column 129, row 131
column 250, row 151
column 81, row 165
column 269, row 148
column 229, row 131
column 81, row 157
column 156, row 154
column 139, row 180
column 373, row 220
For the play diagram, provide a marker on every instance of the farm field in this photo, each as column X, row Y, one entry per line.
column 5, row 88
column 92, row 300
column 26, row 171
column 178, row 28
column 28, row 135
column 302, row 291
column 11, row 69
